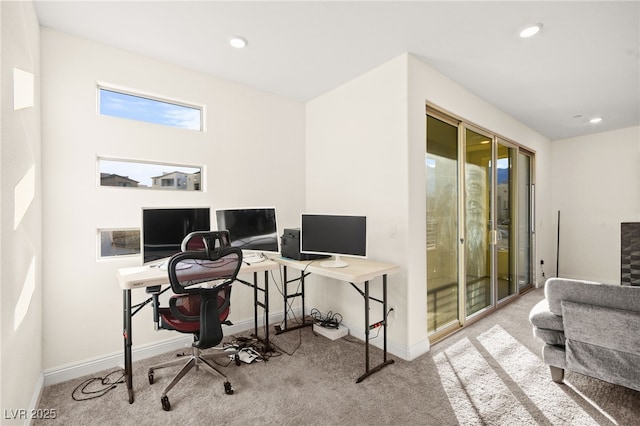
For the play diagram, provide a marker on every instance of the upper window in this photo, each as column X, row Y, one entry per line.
column 143, row 108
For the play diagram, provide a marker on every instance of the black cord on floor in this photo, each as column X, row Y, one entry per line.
column 294, row 349
column 80, row 393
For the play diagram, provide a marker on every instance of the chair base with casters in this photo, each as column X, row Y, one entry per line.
column 169, row 321
column 201, row 282
column 196, row 360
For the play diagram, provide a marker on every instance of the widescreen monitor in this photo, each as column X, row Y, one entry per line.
column 164, row 229
column 254, row 230
column 336, row 235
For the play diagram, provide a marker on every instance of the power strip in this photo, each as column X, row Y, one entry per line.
column 331, row 333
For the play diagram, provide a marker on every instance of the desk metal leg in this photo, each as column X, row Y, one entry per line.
column 286, row 297
column 385, row 313
column 265, row 307
column 367, row 327
column 266, row 311
column 128, row 369
column 255, row 303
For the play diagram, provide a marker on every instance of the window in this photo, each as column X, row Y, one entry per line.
column 118, row 242
column 137, row 174
column 120, row 104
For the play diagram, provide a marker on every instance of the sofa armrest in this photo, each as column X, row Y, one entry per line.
column 541, row 317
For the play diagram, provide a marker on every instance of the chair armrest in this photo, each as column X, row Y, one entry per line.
column 191, row 300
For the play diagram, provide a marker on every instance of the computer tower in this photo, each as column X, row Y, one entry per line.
column 290, row 246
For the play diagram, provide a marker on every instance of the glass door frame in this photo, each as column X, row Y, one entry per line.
column 489, row 261
column 495, row 139
column 532, row 221
column 452, row 326
column 513, row 218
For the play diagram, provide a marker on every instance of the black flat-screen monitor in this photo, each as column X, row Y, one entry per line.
column 337, row 235
column 164, row 229
column 254, row 230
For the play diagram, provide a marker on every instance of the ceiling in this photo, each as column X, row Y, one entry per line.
column 584, row 63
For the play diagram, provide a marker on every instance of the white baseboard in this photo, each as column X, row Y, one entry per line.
column 401, row 351
column 116, row 360
column 35, row 399
column 112, row 360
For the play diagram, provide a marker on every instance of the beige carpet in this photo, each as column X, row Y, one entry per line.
column 488, row 374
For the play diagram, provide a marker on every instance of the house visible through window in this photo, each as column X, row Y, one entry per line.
column 118, row 242
column 133, row 174
column 143, row 108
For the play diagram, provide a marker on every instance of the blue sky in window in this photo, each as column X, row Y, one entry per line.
column 122, row 105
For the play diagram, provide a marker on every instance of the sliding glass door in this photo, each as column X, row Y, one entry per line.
column 503, row 231
column 479, row 222
column 477, row 212
column 442, row 170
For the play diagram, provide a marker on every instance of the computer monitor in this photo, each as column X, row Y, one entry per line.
column 254, row 230
column 163, row 230
column 336, row 235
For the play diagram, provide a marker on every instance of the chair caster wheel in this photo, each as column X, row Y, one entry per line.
column 227, row 388
column 237, row 359
column 165, row 403
column 151, row 377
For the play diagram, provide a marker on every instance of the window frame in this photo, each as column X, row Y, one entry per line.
column 102, row 256
column 158, row 174
column 100, row 86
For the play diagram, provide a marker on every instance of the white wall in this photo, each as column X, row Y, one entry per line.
column 596, row 187
column 356, row 164
column 429, row 85
column 365, row 154
column 21, row 243
column 252, row 151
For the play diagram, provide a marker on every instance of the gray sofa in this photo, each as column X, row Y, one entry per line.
column 590, row 328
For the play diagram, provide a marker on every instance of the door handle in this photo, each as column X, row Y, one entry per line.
column 493, row 237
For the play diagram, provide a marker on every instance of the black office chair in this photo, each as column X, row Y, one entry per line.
column 206, row 240
column 201, row 280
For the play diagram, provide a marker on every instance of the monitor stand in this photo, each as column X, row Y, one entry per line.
column 334, row 263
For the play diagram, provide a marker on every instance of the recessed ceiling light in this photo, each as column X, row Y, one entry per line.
column 238, row 42
column 531, row 31
column 595, row 120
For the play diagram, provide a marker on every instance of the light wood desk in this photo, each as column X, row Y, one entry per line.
column 359, row 271
column 146, row 276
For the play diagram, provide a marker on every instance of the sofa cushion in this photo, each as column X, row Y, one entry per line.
column 550, row 337
column 615, row 329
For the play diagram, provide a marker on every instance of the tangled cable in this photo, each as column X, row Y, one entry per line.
column 105, row 385
column 330, row 320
